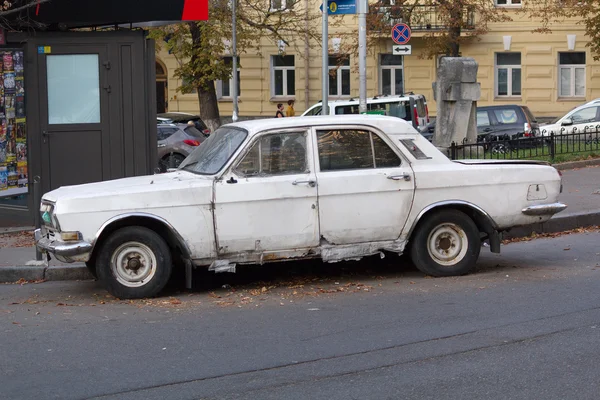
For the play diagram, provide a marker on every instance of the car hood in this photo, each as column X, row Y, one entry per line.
column 170, row 189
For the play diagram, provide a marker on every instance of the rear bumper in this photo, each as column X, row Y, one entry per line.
column 544, row 209
column 63, row 251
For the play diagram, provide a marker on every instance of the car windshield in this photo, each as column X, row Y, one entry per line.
column 215, row 151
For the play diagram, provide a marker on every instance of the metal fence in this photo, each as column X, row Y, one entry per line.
column 548, row 146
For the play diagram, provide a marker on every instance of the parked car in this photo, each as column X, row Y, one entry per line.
column 410, row 107
column 335, row 188
column 503, row 127
column 582, row 119
column 182, row 118
column 175, row 143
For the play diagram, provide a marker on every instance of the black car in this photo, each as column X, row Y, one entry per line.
column 503, row 127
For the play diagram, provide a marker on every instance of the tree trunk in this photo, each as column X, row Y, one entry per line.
column 207, row 96
column 209, row 106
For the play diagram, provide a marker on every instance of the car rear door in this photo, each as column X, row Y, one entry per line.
column 365, row 187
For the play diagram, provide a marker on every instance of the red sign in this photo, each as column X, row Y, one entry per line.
column 195, row 10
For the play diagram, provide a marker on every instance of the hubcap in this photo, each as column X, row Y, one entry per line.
column 447, row 244
column 133, row 264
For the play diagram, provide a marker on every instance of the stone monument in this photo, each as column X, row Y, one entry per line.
column 456, row 93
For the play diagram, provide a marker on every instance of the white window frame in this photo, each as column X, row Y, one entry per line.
column 339, row 70
column 509, row 81
column 509, row 3
column 283, row 6
column 285, row 77
column 573, row 68
column 219, row 83
column 392, row 75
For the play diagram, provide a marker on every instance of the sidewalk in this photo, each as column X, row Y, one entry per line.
column 581, row 192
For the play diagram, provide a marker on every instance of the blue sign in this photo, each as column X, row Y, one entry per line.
column 401, row 33
column 338, row 7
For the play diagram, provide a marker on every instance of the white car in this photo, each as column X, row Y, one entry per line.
column 332, row 187
column 582, row 119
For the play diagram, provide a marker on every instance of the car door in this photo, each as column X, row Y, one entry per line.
column 365, row 186
column 267, row 201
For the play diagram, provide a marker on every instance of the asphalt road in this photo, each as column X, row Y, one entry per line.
column 526, row 325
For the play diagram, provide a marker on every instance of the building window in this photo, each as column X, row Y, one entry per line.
column 282, row 5
column 508, row 3
column 391, row 74
column 224, row 87
column 186, row 81
column 508, row 74
column 339, row 75
column 283, row 76
column 571, row 74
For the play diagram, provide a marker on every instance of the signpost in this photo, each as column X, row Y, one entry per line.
column 401, row 33
column 339, row 7
column 402, row 50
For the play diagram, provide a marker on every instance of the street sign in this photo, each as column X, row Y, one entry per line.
column 339, row 7
column 402, row 49
column 401, row 33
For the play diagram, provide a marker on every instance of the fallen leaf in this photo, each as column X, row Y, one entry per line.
column 174, row 301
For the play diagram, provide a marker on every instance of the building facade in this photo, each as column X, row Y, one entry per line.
column 551, row 72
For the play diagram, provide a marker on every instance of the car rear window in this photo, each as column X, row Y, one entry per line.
column 165, row 133
column 399, row 109
column 421, row 107
column 506, row 116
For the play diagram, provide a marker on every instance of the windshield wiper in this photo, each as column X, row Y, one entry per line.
column 187, row 165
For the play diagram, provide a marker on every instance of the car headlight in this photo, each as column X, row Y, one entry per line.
column 47, row 214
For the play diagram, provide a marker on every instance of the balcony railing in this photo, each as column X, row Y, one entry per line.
column 419, row 17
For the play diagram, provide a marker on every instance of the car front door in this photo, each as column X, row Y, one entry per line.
column 365, row 187
column 267, row 201
column 584, row 120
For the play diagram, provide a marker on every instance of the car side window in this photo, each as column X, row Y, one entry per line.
column 585, row 115
column 275, row 154
column 314, row 111
column 506, row 116
column 347, row 149
column 483, row 119
column 165, row 133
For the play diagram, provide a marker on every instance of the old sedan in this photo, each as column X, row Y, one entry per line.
column 333, row 187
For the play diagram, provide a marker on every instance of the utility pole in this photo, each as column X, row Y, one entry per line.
column 325, row 72
column 234, row 81
column 362, row 6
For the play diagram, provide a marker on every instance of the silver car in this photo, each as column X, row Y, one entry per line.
column 175, row 142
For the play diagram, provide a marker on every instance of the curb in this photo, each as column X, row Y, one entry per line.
column 79, row 271
column 75, row 272
column 557, row 224
column 577, row 164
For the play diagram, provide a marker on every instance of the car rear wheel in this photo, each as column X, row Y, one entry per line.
column 447, row 243
column 134, row 262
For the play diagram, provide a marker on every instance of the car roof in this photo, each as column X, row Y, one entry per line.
column 374, row 99
column 500, row 106
column 390, row 125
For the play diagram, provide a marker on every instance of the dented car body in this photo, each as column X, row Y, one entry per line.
column 336, row 188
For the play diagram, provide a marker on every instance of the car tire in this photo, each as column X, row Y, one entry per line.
column 446, row 243
column 171, row 161
column 134, row 262
column 91, row 266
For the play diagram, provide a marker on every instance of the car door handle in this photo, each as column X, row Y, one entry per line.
column 405, row 177
column 310, row 183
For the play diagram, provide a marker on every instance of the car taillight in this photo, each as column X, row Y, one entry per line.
column 427, row 112
column 190, row 142
column 416, row 116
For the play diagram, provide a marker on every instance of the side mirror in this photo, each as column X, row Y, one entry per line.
column 567, row 122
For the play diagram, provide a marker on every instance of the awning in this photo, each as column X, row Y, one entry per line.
column 90, row 13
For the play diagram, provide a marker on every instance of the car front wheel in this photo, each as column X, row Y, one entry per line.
column 447, row 243
column 134, row 262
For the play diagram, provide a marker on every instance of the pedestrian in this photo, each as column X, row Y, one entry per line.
column 289, row 112
column 279, row 113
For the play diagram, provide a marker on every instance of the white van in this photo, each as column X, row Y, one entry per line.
column 410, row 107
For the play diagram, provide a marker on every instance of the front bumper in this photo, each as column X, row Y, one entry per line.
column 544, row 209
column 63, row 251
